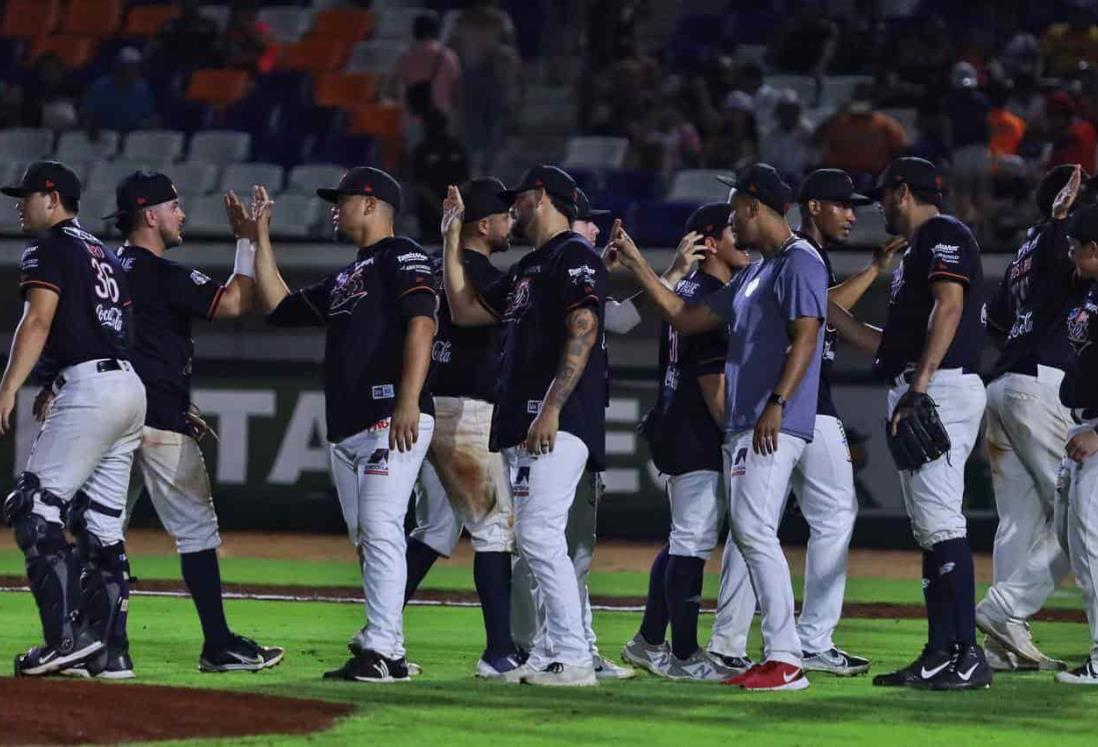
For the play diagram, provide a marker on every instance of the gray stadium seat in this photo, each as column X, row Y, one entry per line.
column 219, row 14
column 375, row 56
column 77, row 146
column 296, row 216
column 11, row 171
column 697, row 185
column 220, row 146
column 156, row 146
column 803, row 85
column 94, row 204
column 286, row 24
column 193, row 177
column 837, row 89
column 240, row 177
column 25, row 143
column 106, row 175
column 907, row 117
column 305, row 179
column 595, row 152
column 396, row 23
column 206, row 216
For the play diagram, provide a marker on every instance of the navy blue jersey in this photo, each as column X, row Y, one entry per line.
column 166, row 297
column 942, row 250
column 825, row 405
column 365, row 308
column 465, row 360
column 681, row 432
column 1079, row 388
column 93, row 312
column 1029, row 307
column 533, row 301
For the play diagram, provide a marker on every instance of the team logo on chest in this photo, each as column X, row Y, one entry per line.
column 349, row 288
column 519, row 300
column 897, row 280
column 1078, row 324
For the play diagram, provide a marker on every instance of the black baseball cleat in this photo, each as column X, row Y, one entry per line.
column 240, row 655
column 969, row 671
column 371, row 667
column 108, row 664
column 43, row 660
column 930, row 664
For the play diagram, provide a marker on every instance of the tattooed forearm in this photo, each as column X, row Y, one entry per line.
column 583, row 327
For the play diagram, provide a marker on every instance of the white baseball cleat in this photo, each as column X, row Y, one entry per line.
column 497, row 668
column 643, row 654
column 1084, row 675
column 1000, row 659
column 835, row 661
column 699, row 666
column 608, row 670
column 1017, row 638
column 517, row 675
column 559, row 674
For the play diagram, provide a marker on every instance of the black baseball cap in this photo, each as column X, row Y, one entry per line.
column 710, row 219
column 553, row 180
column 482, row 198
column 833, row 185
column 46, row 176
column 142, row 189
column 1083, row 224
column 584, row 207
column 762, row 182
column 368, row 182
column 917, row 173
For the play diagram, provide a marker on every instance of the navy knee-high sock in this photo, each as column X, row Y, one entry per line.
column 938, row 613
column 492, row 576
column 684, row 587
column 420, row 558
column 957, row 575
column 653, row 627
column 202, row 575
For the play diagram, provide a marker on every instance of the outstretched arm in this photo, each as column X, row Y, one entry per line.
column 466, row 308
column 270, row 286
column 865, row 337
column 848, row 292
column 239, row 294
column 583, row 329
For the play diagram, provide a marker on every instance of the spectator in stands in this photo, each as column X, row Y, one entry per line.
column 859, row 138
column 932, row 142
column 788, row 147
column 1021, row 56
column 49, row 96
column 921, row 54
column 624, row 93
column 189, row 41
column 1026, row 99
column 667, row 142
column 437, row 162
column 248, row 44
column 968, row 110
column 1073, row 139
column 1006, row 130
column 122, row 99
column 805, row 44
column 1065, row 45
column 735, row 145
column 764, row 97
column 429, row 73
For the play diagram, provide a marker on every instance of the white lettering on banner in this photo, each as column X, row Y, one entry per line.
column 297, row 453
column 233, row 407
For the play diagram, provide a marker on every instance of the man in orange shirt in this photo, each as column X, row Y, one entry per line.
column 860, row 139
column 1073, row 139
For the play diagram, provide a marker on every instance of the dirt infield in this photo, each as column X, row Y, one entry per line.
column 101, row 713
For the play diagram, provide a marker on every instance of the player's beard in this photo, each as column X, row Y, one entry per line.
column 172, row 240
column 500, row 245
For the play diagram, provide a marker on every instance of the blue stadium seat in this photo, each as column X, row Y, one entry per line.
column 632, row 184
column 659, row 224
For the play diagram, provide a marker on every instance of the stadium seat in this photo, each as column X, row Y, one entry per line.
column 11, row 171
column 94, row 204
column 241, row 177
column 296, row 216
column 220, row 146
column 218, row 88
column 193, row 177
column 219, row 14
column 375, row 56
column 344, row 149
column 286, row 24
column 396, row 23
column 907, row 117
column 153, row 145
column 26, row 19
column 347, row 25
column 837, row 89
column 92, row 17
column 106, row 175
column 381, row 119
column 632, row 184
column 74, row 51
column 595, row 152
column 206, row 216
column 287, row 148
column 659, row 224
column 146, row 20
column 803, row 85
column 698, row 186
column 25, row 144
column 314, row 55
column 305, row 179
column 75, row 145
column 345, row 90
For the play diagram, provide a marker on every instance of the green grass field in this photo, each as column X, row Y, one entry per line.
column 447, row 706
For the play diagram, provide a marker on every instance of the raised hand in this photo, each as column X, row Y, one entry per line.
column 1061, row 206
column 884, row 254
column 240, row 219
column 691, row 249
column 623, row 249
column 453, row 212
column 261, row 208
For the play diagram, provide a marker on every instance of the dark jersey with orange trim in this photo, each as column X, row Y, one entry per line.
column 942, row 250
column 365, row 308
column 92, row 320
column 166, row 297
column 533, row 301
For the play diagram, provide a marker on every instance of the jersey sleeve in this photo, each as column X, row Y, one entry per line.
column 192, row 292
column 410, row 274
column 953, row 255
column 41, row 268
column 582, row 278
column 720, row 300
column 494, row 295
column 307, row 307
column 801, row 286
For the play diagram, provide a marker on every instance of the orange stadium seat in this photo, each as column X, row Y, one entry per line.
column 385, row 121
column 345, row 90
column 217, row 87
column 92, row 17
column 315, row 55
column 146, row 20
column 348, row 25
column 74, row 51
column 30, row 18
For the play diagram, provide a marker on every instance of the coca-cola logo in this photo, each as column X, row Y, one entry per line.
column 109, row 316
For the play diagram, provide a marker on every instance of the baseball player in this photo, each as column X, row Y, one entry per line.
column 1079, row 392
column 379, row 314
column 166, row 297
column 929, row 351
column 1027, row 427
column 775, row 309
column 549, row 420
column 76, row 320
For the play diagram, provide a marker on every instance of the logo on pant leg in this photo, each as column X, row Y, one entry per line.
column 378, row 463
column 739, row 464
column 521, row 488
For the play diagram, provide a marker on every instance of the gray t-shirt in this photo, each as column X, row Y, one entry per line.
column 758, row 305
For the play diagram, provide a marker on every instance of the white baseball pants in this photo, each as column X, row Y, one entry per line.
column 696, row 512
column 437, row 524
column 1082, row 530
column 373, row 483
column 735, row 604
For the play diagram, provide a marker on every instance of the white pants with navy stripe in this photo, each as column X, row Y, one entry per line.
column 1082, row 530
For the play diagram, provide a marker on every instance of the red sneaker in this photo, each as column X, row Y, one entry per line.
column 739, row 679
column 776, row 675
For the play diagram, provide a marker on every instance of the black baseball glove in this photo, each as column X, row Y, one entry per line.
column 920, row 436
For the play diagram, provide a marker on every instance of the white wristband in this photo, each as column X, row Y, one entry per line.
column 245, row 258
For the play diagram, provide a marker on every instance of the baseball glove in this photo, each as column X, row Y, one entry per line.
column 920, row 437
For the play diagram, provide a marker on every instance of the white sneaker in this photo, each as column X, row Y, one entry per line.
column 1002, row 660
column 498, row 668
column 1016, row 637
column 700, row 667
column 1084, row 675
column 643, row 654
column 559, row 674
column 517, row 675
column 834, row 661
column 608, row 670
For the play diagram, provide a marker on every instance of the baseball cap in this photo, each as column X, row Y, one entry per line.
column 482, row 198
column 46, row 176
column 762, row 182
column 368, row 182
column 1083, row 224
column 142, row 189
column 1060, row 102
column 710, row 219
column 584, row 207
column 550, row 178
column 834, row 185
column 964, row 75
column 917, row 173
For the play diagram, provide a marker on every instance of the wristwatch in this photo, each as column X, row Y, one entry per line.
column 777, row 399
